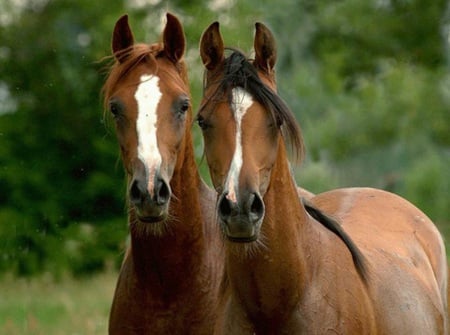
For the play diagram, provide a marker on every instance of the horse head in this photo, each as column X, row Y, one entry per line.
column 243, row 121
column 147, row 94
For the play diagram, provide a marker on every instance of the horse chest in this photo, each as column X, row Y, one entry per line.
column 150, row 312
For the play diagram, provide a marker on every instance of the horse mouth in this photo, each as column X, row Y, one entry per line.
column 240, row 232
column 152, row 219
column 242, row 239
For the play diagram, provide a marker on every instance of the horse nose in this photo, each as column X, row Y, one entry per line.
column 161, row 192
column 150, row 199
column 227, row 208
column 255, row 207
column 139, row 192
column 241, row 220
column 138, row 188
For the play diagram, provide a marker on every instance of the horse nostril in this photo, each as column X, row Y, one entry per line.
column 162, row 192
column 256, row 206
column 224, row 207
column 135, row 192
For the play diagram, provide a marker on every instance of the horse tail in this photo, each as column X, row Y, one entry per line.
column 333, row 225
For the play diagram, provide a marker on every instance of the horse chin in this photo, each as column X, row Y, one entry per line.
column 153, row 219
column 151, row 214
column 157, row 226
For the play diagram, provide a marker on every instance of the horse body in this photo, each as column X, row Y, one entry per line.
column 170, row 276
column 406, row 255
column 291, row 268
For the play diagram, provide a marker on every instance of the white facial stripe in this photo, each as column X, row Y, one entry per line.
column 241, row 103
column 147, row 97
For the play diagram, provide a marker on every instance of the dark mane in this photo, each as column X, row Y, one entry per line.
column 331, row 224
column 238, row 71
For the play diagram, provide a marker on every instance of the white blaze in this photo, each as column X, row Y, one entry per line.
column 241, row 101
column 147, row 97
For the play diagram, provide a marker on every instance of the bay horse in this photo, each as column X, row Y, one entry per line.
column 169, row 277
column 348, row 261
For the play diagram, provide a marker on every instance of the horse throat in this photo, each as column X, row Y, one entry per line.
column 174, row 255
column 270, row 280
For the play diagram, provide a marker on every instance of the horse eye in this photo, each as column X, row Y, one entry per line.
column 201, row 122
column 115, row 108
column 184, row 106
column 181, row 106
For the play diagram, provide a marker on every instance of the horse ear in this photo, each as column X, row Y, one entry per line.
column 211, row 47
column 265, row 48
column 173, row 39
column 122, row 38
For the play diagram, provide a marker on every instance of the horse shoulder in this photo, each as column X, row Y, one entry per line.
column 344, row 308
column 335, row 297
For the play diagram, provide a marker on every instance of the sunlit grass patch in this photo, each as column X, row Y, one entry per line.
column 45, row 306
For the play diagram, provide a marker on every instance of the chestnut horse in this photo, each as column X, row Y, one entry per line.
column 378, row 267
column 170, row 275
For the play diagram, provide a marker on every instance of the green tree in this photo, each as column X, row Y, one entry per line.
column 57, row 167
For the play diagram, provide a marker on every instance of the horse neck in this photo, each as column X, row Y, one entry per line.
column 182, row 246
column 285, row 218
column 275, row 279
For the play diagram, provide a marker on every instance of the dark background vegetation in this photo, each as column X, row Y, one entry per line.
column 368, row 81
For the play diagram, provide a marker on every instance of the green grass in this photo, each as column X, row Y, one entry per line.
column 43, row 306
column 48, row 307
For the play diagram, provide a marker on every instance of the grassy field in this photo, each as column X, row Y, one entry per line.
column 43, row 306
column 47, row 307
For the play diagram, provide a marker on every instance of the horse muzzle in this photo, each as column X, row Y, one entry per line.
column 241, row 221
column 150, row 205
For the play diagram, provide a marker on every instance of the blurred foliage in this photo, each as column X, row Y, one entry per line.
column 368, row 81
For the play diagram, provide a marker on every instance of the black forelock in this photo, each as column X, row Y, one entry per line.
column 239, row 71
